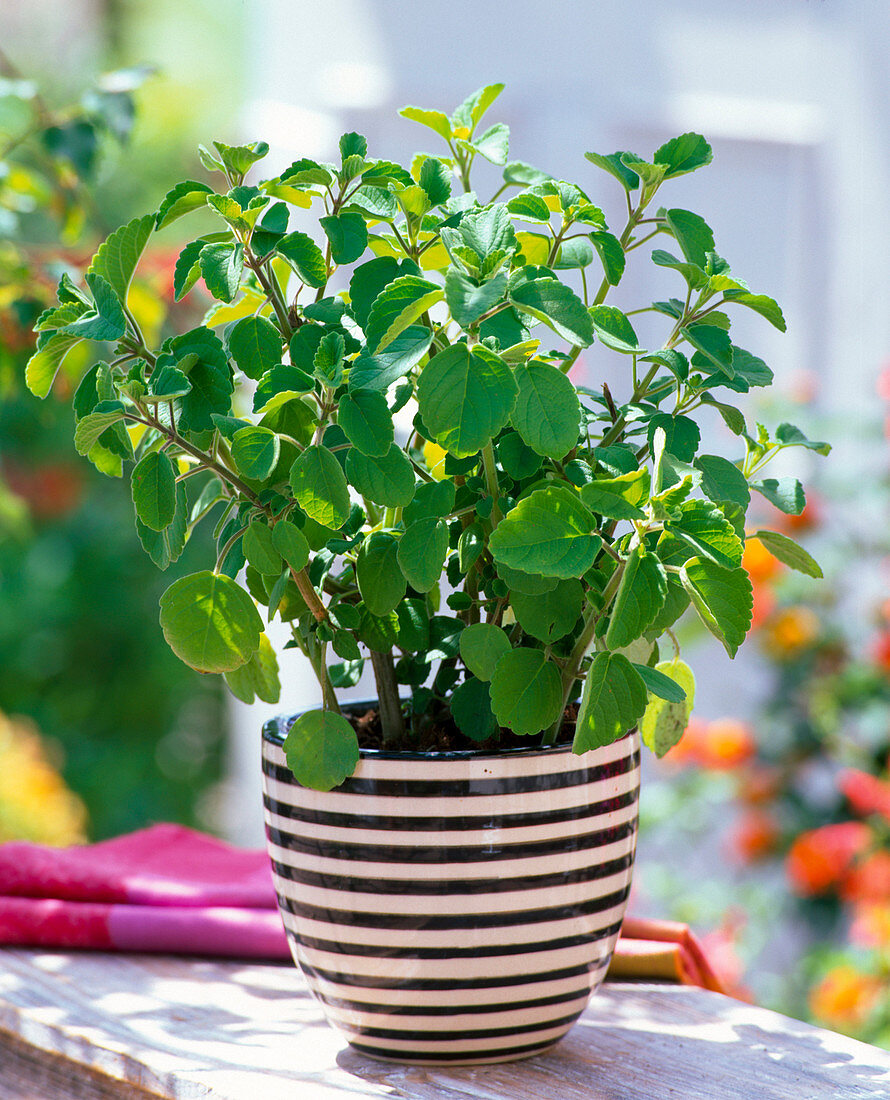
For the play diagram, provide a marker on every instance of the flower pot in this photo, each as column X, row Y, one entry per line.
column 455, row 907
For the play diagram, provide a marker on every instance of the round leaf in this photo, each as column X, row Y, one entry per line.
column 255, row 452
column 319, row 486
column 388, row 480
column 258, row 679
column 210, row 622
column 321, row 749
column 526, row 691
column 547, row 413
column 663, row 723
column 365, row 418
column 290, row 542
column 481, row 647
column 550, row 532
column 380, row 580
column 154, row 490
column 613, row 701
column 471, row 710
column 552, row 615
column 259, row 549
column 422, row 551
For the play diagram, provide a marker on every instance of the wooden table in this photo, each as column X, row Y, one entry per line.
column 96, row 1026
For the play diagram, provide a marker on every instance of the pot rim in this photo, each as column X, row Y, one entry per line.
column 275, row 730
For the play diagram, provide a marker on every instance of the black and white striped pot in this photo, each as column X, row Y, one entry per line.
column 455, row 907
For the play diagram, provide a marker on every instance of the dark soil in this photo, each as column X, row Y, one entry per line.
column 436, row 732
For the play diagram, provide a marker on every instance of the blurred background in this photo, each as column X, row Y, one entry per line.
column 768, row 827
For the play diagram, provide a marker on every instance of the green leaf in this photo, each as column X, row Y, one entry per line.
column 547, row 413
column 659, row 684
column 365, row 418
column 667, row 717
column 422, row 551
column 555, row 304
column 414, row 626
column 681, row 435
column 714, row 344
column 255, row 345
column 106, row 321
column 467, row 301
column 210, row 622
column 279, row 386
column 432, row 498
column 222, row 266
column 210, row 378
column 530, row 584
column 710, row 534
column 693, row 234
column 549, row 532
column 154, row 490
column 471, row 710
column 380, row 581
column 692, row 273
column 398, row 305
column 435, row 179
column 95, row 424
column 683, row 154
column 618, row 497
column 348, row 235
column 641, row 595
column 185, row 197
column 494, row 144
column 387, row 480
column 118, row 255
column 481, row 647
column 786, row 493
column 44, row 364
column 258, row 679
column 723, row 599
column 164, row 547
column 470, row 546
column 435, row 120
column 612, row 702
column 526, row 691
column 465, row 397
column 789, row 552
column 615, row 166
column 319, row 486
column 239, row 158
column 790, row 436
column 306, row 258
column 380, row 370
column 551, row 615
column 259, row 550
column 187, row 269
column 767, row 307
column 321, row 750
column 470, row 112
column 306, row 173
column 369, row 279
column 327, row 364
column 611, row 254
column 255, row 452
column 732, row 417
column 614, row 330
column 290, row 542
column 722, row 480
column 530, row 208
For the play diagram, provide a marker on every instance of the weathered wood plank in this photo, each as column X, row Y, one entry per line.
column 185, row 1028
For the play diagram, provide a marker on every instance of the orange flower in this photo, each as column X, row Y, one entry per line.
column 871, row 925
column 866, row 793
column 845, row 997
column 790, row 631
column 759, row 562
column 821, row 858
column 719, row 745
column 759, row 784
column 869, row 879
column 726, row 744
column 764, row 605
column 754, row 836
column 880, row 650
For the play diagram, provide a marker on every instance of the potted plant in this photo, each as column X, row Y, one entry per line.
column 399, row 465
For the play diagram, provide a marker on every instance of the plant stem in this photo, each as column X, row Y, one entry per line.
column 579, row 651
column 307, row 591
column 491, row 480
column 391, row 718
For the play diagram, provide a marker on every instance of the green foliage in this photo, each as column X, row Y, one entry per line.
column 419, row 472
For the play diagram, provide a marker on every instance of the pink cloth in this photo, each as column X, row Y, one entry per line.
column 164, row 889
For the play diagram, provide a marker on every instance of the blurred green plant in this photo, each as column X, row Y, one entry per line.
column 95, row 676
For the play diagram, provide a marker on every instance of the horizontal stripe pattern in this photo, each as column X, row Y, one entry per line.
column 455, row 910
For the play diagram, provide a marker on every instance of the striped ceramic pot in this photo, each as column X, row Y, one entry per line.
column 455, row 907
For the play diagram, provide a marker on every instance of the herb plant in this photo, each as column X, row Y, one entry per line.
column 393, row 446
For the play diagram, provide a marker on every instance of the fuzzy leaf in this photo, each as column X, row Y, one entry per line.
column 321, row 749
column 612, row 702
column 210, row 622
column 526, row 691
